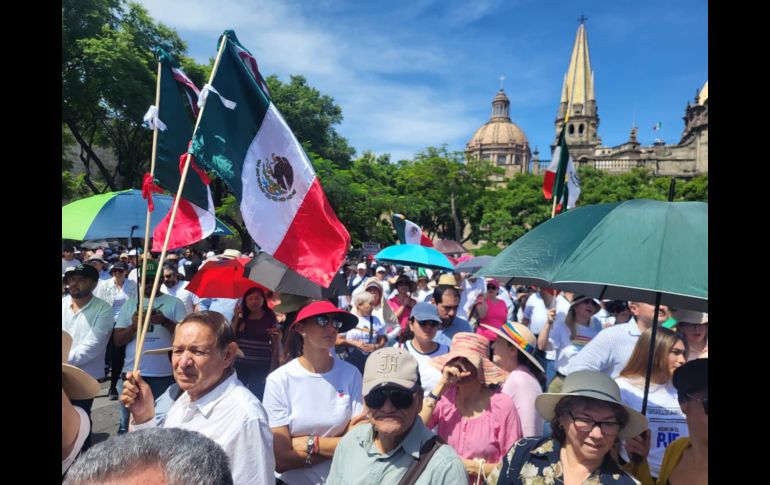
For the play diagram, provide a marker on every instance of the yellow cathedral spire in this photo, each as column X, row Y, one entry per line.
column 579, row 73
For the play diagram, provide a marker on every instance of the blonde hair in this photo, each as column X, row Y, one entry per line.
column 665, row 340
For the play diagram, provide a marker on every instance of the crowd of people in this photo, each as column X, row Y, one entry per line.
column 411, row 376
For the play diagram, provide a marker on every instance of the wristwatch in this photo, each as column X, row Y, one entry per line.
column 309, row 445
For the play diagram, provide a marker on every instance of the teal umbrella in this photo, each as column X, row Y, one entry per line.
column 117, row 214
column 635, row 250
column 414, row 255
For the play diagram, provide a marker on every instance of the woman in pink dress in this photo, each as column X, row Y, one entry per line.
column 477, row 420
column 491, row 311
column 402, row 302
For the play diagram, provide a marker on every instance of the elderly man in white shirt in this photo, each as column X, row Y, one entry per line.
column 214, row 403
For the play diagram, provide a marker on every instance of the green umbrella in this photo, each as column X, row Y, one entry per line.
column 633, row 250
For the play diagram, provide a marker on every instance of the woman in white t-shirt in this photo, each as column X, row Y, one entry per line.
column 667, row 422
column 417, row 339
column 569, row 336
column 312, row 400
column 369, row 334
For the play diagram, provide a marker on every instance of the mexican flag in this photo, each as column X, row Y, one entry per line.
column 408, row 232
column 195, row 218
column 561, row 170
column 243, row 138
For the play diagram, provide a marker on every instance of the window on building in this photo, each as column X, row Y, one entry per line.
column 501, row 159
column 581, row 128
column 571, row 129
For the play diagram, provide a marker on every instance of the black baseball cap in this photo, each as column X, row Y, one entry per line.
column 84, row 270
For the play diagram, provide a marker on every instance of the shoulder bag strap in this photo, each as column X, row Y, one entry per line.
column 418, row 466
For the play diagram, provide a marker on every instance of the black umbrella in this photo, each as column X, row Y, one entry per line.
column 474, row 264
column 276, row 276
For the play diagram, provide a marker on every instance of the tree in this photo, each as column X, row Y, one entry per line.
column 312, row 117
column 108, row 81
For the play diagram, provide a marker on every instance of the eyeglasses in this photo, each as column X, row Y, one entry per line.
column 118, row 270
column 324, row 320
column 428, row 323
column 610, row 428
column 703, row 400
column 399, row 398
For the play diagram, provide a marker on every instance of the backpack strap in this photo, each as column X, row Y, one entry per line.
column 418, row 466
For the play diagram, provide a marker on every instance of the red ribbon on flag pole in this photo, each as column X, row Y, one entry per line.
column 203, row 176
column 148, row 187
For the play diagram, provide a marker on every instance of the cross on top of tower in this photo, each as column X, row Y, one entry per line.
column 582, row 19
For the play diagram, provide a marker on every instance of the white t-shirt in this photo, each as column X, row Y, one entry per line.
column 188, row 298
column 361, row 332
column 309, row 403
column 667, row 421
column 157, row 336
column 429, row 375
column 566, row 348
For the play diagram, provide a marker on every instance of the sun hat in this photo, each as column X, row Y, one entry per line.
column 380, row 268
column 75, row 382
column 404, row 279
column 230, row 254
column 596, row 385
column 521, row 337
column 475, row 348
column 448, row 279
column 581, row 298
column 390, row 366
column 361, row 266
column 691, row 317
column 349, row 321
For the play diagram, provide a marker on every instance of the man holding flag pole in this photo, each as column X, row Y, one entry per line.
column 214, row 403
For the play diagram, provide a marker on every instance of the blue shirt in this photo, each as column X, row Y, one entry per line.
column 458, row 325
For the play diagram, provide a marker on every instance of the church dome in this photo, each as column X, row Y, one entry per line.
column 704, row 94
column 499, row 130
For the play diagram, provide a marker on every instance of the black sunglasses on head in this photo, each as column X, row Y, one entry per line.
column 324, row 320
column 399, row 398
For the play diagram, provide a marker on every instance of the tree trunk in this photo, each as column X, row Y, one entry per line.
column 455, row 219
column 85, row 146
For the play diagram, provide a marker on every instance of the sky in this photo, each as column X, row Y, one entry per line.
column 409, row 74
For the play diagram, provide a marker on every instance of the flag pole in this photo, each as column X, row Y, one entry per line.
column 140, row 341
column 143, row 278
column 564, row 128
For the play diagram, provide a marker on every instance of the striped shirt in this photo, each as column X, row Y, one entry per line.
column 609, row 351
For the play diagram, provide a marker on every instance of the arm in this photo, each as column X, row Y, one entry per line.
column 542, row 339
column 449, row 377
column 137, row 397
column 70, row 426
column 594, row 356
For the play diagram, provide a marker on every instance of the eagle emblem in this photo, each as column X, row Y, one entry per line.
column 275, row 178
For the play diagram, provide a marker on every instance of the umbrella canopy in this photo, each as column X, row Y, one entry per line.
column 222, row 278
column 117, row 214
column 273, row 274
column 631, row 250
column 473, row 264
column 414, row 255
column 448, row 246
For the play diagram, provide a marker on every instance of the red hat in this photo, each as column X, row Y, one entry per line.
column 349, row 321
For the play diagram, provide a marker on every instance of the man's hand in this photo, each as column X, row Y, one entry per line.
column 158, row 318
column 137, row 397
column 368, row 348
column 639, row 445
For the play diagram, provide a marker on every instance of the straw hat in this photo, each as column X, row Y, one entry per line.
column 448, row 279
column 475, row 348
column 692, row 317
column 230, row 254
column 581, row 298
column 596, row 385
column 77, row 384
column 521, row 337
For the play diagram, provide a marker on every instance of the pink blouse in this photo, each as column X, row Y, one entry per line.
column 523, row 388
column 488, row 436
column 497, row 314
column 403, row 320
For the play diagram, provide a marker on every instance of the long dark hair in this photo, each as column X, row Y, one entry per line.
column 245, row 309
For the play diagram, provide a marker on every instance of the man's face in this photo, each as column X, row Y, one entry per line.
column 170, row 278
column 644, row 313
column 81, row 287
column 380, row 275
column 197, row 363
column 361, row 272
column 68, row 255
column 391, row 421
column 187, row 253
column 447, row 307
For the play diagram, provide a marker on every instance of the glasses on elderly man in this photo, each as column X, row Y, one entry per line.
column 399, row 398
column 610, row 428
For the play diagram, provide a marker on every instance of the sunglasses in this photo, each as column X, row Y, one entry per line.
column 703, row 400
column 324, row 320
column 428, row 323
column 491, row 287
column 399, row 398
